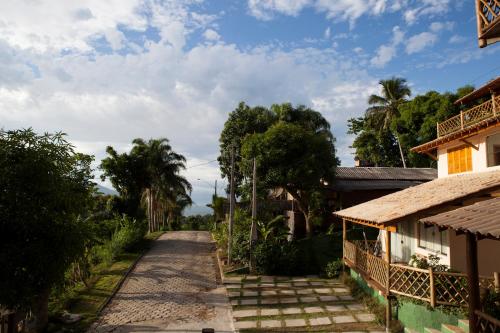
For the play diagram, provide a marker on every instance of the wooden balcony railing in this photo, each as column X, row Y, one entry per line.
column 445, row 288
column 486, row 110
column 488, row 21
column 486, row 323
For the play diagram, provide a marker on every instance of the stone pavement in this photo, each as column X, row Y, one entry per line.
column 299, row 304
column 173, row 288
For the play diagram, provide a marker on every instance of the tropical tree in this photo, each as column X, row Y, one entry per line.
column 165, row 184
column 293, row 158
column 394, row 94
column 45, row 186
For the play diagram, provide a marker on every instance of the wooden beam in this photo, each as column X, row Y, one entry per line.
column 470, row 144
column 434, row 157
column 388, row 308
column 473, row 279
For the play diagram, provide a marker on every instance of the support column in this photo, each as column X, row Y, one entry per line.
column 388, row 308
column 473, row 278
column 344, row 238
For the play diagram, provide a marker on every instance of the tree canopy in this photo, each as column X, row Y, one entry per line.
column 414, row 121
column 293, row 157
column 45, row 186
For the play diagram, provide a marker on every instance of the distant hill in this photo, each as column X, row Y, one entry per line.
column 197, row 210
column 106, row 191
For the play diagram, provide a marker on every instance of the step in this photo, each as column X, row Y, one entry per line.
column 431, row 330
column 464, row 324
column 446, row 328
column 409, row 330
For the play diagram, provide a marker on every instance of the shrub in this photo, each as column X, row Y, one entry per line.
column 273, row 257
column 334, row 268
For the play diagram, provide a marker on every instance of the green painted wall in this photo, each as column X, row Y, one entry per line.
column 413, row 316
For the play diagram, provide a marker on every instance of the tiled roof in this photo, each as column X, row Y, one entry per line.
column 377, row 173
column 482, row 217
column 422, row 197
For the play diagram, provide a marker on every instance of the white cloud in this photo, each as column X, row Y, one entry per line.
column 440, row 26
column 345, row 10
column 327, row 33
column 430, row 8
column 211, row 35
column 419, row 42
column 457, row 39
column 385, row 53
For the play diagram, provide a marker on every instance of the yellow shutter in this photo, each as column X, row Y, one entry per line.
column 459, row 159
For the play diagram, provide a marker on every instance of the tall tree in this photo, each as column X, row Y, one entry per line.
column 244, row 120
column 394, row 94
column 45, row 185
column 294, row 158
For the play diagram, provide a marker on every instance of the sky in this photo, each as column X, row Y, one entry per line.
column 106, row 72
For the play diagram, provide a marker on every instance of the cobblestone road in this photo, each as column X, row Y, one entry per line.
column 172, row 289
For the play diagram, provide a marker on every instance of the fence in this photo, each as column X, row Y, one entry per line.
column 7, row 322
column 486, row 323
column 486, row 110
column 445, row 288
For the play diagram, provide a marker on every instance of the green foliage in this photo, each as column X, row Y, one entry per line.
column 334, row 268
column 413, row 121
column 197, row 222
column 275, row 257
column 491, row 304
column 244, row 120
column 431, row 262
column 275, row 229
column 45, row 186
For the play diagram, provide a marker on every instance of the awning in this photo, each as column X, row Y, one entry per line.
column 480, row 218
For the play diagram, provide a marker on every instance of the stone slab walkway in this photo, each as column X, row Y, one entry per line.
column 173, row 288
column 299, row 304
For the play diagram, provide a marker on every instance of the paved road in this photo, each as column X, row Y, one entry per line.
column 172, row 289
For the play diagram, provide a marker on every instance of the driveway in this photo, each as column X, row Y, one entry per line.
column 173, row 288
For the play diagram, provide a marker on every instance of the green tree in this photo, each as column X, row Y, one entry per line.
column 294, row 158
column 244, row 120
column 394, row 94
column 45, row 185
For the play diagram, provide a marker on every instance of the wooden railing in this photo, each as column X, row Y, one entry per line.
column 445, row 288
column 486, row 323
column 7, row 322
column 486, row 110
column 488, row 16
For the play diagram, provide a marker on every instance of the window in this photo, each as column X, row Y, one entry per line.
column 493, row 149
column 431, row 239
column 459, row 159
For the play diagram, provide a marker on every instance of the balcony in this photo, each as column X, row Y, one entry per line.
column 488, row 21
column 487, row 110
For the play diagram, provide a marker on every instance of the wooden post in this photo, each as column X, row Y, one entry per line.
column 496, row 279
column 432, row 288
column 493, row 103
column 437, row 130
column 344, row 236
column 473, row 279
column 481, row 41
column 253, row 229
column 231, row 211
column 388, row 308
column 461, row 120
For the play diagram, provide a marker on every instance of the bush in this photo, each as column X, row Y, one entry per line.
column 334, row 268
column 276, row 258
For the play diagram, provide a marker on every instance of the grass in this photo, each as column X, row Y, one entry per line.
column 89, row 301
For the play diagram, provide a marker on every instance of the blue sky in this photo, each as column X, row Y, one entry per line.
column 106, row 72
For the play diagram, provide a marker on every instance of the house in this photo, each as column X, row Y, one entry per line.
column 354, row 185
column 488, row 22
column 455, row 218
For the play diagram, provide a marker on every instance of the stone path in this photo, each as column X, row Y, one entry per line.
column 173, row 288
column 281, row 304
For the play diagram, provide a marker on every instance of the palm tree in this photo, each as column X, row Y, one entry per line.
column 394, row 93
column 163, row 183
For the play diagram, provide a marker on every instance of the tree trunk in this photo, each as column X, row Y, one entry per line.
column 41, row 311
column 400, row 151
column 308, row 219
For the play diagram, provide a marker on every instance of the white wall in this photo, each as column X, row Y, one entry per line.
column 479, row 157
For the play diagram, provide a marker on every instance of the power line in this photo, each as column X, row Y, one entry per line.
column 197, row 165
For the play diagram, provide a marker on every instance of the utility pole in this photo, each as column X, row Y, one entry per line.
column 231, row 211
column 215, row 188
column 253, row 230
